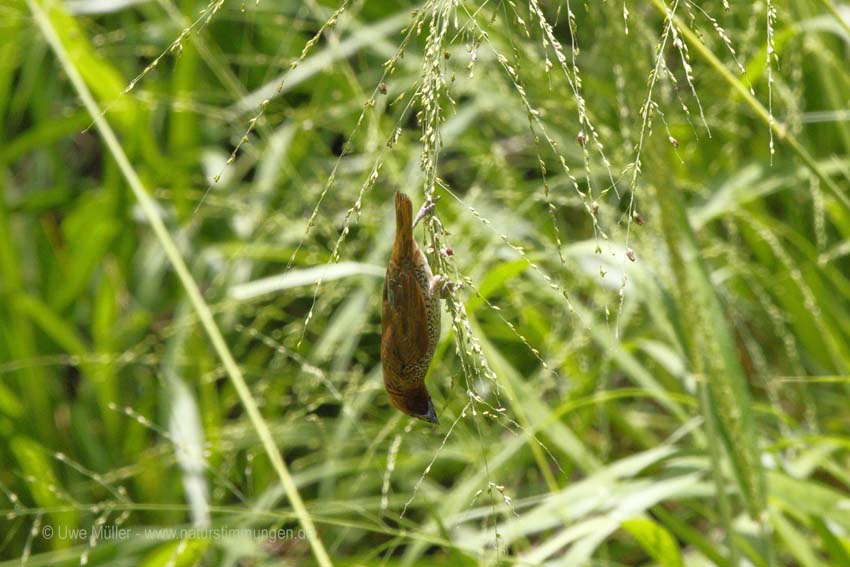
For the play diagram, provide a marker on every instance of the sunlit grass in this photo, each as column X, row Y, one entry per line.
column 646, row 362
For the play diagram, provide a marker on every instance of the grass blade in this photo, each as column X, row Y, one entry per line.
column 198, row 303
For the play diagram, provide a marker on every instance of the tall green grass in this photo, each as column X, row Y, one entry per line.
column 647, row 206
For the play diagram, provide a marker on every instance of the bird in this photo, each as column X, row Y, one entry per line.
column 410, row 316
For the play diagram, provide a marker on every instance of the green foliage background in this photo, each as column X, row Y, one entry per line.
column 647, row 204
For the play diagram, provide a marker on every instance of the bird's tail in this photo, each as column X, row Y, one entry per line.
column 403, row 225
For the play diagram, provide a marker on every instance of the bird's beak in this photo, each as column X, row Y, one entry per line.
column 431, row 415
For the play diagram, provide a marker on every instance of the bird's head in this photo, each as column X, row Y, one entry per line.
column 416, row 403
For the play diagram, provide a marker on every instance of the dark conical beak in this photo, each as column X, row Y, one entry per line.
column 431, row 415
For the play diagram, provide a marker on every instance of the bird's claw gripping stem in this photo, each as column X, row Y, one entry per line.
column 427, row 207
column 442, row 286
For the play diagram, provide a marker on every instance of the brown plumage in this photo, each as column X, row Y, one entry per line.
column 410, row 318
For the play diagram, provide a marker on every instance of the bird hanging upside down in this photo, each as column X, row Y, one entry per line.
column 410, row 318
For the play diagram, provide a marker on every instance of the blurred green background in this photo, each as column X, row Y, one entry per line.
column 647, row 204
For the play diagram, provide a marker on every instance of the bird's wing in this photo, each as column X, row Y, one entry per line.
column 404, row 333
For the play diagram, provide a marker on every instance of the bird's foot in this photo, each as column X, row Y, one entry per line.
column 427, row 207
column 442, row 286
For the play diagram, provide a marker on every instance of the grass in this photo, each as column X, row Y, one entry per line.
column 646, row 204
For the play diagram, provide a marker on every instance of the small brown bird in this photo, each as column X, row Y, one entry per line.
column 410, row 318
